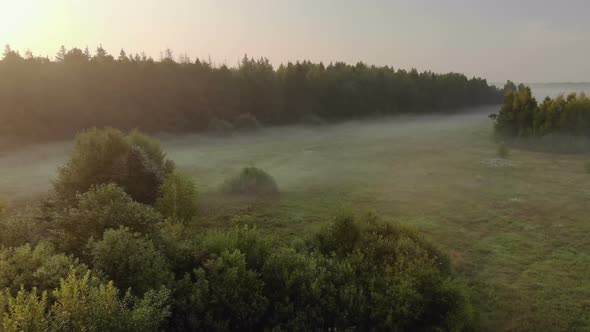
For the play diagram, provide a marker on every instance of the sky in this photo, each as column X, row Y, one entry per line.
column 521, row 40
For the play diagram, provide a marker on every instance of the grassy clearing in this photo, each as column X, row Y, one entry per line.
column 517, row 231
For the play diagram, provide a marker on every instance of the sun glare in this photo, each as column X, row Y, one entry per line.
column 25, row 24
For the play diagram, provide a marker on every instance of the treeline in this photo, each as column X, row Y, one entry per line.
column 117, row 246
column 522, row 116
column 43, row 98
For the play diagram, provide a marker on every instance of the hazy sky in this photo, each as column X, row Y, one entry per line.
column 523, row 40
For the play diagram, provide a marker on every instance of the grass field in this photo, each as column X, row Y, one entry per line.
column 518, row 232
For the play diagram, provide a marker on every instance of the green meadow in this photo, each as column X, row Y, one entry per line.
column 516, row 228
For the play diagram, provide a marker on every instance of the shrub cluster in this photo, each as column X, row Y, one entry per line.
column 134, row 162
column 251, row 181
column 111, row 263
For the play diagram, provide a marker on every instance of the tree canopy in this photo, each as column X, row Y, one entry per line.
column 45, row 99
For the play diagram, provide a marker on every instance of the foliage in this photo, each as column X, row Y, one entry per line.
column 24, row 312
column 130, row 260
column 587, row 167
column 245, row 239
column 383, row 264
column 82, row 303
column 22, row 227
column 136, row 163
column 102, row 207
column 251, row 181
column 520, row 116
column 38, row 267
column 178, row 198
column 227, row 295
column 81, row 90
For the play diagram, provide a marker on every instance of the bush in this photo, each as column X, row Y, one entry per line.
column 385, row 277
column 297, row 287
column 25, row 312
column 38, row 267
column 247, row 122
column 82, row 303
column 179, row 246
column 220, row 127
column 22, row 227
column 587, row 167
column 246, row 239
column 178, row 198
column 102, row 207
column 130, row 260
column 226, row 296
column 503, row 150
column 101, row 156
column 150, row 146
column 357, row 273
column 251, row 181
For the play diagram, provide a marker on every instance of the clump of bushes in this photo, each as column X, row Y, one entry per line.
column 246, row 122
column 82, row 303
column 503, row 150
column 178, row 198
column 101, row 208
column 355, row 274
column 131, row 260
column 251, row 181
column 220, row 127
column 39, row 266
column 22, row 227
column 135, row 162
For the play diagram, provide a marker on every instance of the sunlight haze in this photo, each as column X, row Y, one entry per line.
column 497, row 40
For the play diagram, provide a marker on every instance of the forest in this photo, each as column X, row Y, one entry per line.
column 115, row 246
column 522, row 116
column 43, row 99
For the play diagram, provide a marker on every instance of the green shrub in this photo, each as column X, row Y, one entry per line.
column 179, row 246
column 137, row 163
column 220, row 127
column 24, row 312
column 385, row 277
column 247, row 122
column 38, row 267
column 130, row 260
column 102, row 207
column 246, row 239
column 178, row 198
column 503, row 150
column 587, row 167
column 295, row 283
column 82, row 303
column 226, row 296
column 151, row 147
column 251, row 181
column 21, row 227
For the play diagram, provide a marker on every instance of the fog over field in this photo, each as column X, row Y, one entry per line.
column 515, row 228
column 293, row 154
